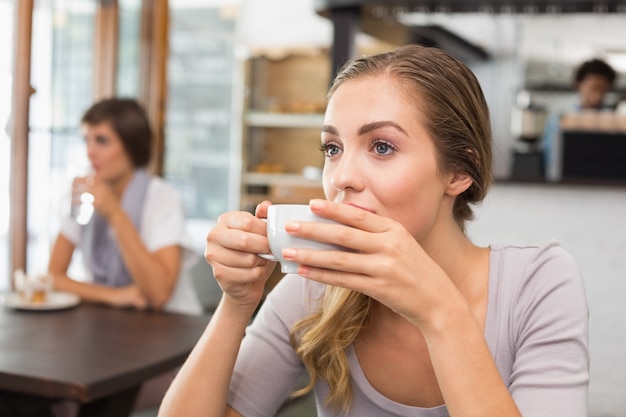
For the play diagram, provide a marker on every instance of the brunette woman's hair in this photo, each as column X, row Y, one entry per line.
column 449, row 103
column 129, row 121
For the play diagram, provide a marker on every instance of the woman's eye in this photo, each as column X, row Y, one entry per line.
column 383, row 148
column 329, row 149
column 101, row 139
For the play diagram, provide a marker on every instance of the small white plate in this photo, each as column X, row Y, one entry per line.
column 54, row 301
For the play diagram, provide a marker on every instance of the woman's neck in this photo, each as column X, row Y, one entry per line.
column 118, row 185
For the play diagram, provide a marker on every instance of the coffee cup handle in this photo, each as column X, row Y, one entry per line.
column 267, row 256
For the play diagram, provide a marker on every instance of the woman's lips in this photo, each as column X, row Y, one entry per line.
column 360, row 207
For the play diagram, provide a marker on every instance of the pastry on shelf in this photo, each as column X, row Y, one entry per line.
column 298, row 107
column 267, row 168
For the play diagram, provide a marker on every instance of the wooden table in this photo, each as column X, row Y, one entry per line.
column 95, row 355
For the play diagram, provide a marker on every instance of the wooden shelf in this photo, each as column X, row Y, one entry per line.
column 290, row 120
column 281, row 128
column 291, row 180
column 280, row 189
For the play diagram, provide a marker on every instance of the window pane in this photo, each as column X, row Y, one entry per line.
column 7, row 16
column 62, row 70
column 128, row 58
column 202, row 146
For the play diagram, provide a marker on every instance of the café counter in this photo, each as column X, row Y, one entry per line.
column 593, row 155
column 590, row 146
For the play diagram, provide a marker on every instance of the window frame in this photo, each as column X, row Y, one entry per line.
column 153, row 63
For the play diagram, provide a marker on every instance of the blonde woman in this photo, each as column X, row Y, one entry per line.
column 418, row 320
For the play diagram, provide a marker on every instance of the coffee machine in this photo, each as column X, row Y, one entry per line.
column 527, row 125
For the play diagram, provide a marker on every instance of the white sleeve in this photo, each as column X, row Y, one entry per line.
column 163, row 217
column 71, row 230
column 163, row 221
column 162, row 225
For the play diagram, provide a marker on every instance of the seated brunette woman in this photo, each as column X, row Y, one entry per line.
column 135, row 246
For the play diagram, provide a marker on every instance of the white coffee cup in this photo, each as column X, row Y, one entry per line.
column 277, row 216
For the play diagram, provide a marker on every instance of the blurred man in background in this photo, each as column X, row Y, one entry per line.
column 593, row 80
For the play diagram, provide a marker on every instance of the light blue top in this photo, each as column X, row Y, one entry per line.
column 551, row 141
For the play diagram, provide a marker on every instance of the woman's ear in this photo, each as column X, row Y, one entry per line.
column 458, row 183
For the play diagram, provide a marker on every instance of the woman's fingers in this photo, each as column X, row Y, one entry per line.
column 261, row 209
column 237, row 240
column 241, row 232
column 232, row 258
column 341, row 262
column 362, row 231
column 231, row 249
column 355, row 282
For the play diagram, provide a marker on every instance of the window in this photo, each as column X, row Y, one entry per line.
column 202, row 123
column 202, row 119
column 129, row 54
column 7, row 14
column 61, row 74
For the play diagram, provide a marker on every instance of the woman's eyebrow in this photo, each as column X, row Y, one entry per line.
column 330, row 129
column 379, row 125
column 367, row 127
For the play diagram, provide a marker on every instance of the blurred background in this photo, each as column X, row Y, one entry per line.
column 235, row 88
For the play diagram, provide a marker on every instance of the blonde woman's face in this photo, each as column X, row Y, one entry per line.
column 379, row 155
column 106, row 152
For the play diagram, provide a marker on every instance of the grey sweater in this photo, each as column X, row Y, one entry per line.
column 536, row 330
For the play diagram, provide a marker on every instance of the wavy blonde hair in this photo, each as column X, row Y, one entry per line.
column 450, row 104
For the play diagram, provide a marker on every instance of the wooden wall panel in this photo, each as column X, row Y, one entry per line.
column 153, row 91
column 105, row 49
column 19, row 136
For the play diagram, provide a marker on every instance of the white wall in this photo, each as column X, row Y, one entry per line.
column 590, row 223
column 264, row 24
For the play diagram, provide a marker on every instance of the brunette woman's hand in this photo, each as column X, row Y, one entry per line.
column 105, row 201
column 387, row 262
column 128, row 296
column 232, row 248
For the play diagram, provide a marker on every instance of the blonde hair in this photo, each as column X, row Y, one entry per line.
column 450, row 103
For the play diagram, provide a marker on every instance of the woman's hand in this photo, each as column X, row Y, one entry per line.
column 129, row 296
column 232, row 248
column 105, row 201
column 387, row 264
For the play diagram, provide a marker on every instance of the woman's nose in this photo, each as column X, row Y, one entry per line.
column 347, row 174
column 91, row 149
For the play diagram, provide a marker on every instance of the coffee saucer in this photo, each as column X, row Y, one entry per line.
column 54, row 301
